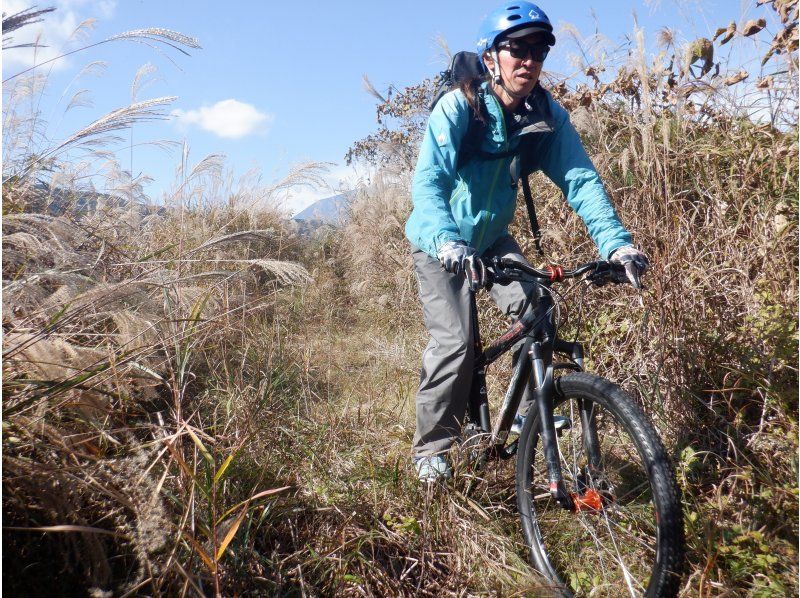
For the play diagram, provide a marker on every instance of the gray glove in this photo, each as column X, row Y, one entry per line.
column 459, row 258
column 635, row 262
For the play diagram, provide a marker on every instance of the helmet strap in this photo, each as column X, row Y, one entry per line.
column 496, row 78
column 511, row 94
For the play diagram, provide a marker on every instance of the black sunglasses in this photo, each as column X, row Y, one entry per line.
column 520, row 50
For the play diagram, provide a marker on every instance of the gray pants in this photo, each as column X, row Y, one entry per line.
column 447, row 361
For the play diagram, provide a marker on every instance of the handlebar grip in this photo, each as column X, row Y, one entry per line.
column 609, row 272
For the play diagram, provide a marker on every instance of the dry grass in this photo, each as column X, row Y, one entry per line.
column 114, row 321
column 188, row 410
column 711, row 347
column 129, row 330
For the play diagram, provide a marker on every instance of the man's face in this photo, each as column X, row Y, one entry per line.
column 520, row 62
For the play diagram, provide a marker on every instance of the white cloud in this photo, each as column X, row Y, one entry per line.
column 58, row 32
column 231, row 119
column 99, row 8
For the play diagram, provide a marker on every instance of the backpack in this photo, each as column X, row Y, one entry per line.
column 468, row 66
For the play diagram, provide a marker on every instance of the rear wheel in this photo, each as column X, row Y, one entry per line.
column 626, row 535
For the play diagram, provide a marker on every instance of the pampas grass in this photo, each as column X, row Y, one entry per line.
column 119, row 317
column 198, row 401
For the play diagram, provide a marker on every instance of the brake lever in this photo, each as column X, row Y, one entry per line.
column 495, row 272
column 632, row 274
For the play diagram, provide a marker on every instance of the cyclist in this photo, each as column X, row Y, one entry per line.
column 462, row 210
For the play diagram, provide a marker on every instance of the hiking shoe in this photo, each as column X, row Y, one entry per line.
column 432, row 468
column 561, row 423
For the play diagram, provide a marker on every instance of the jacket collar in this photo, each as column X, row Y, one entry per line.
column 535, row 114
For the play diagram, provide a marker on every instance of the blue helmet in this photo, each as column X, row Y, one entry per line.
column 514, row 19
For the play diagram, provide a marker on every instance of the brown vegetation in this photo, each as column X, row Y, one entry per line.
column 711, row 346
column 188, row 410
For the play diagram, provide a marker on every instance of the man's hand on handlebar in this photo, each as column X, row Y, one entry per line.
column 475, row 273
column 459, row 258
column 634, row 261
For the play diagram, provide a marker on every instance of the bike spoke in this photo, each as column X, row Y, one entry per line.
column 621, row 537
column 644, row 486
column 625, row 571
column 601, row 547
column 572, row 436
column 638, row 540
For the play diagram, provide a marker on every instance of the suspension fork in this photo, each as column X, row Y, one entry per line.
column 591, row 442
column 543, row 390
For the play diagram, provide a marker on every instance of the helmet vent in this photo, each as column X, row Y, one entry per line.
column 513, row 17
column 513, row 8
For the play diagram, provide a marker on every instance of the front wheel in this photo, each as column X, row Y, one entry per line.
column 625, row 536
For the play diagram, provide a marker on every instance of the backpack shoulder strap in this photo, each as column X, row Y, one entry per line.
column 471, row 144
column 537, row 232
column 473, row 140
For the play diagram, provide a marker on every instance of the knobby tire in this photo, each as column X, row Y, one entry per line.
column 632, row 546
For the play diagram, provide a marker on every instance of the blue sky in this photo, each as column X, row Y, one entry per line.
column 279, row 83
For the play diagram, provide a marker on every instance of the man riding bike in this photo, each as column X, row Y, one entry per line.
column 462, row 209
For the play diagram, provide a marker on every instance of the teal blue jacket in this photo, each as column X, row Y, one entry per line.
column 474, row 202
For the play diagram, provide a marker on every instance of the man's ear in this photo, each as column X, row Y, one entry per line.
column 488, row 61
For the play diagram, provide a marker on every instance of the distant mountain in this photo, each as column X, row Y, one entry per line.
column 331, row 210
column 43, row 198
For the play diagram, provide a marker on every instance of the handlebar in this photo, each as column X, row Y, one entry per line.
column 505, row 270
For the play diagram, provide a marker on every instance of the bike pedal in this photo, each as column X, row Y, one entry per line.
column 562, row 423
column 510, row 450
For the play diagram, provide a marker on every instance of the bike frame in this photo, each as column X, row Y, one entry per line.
column 534, row 335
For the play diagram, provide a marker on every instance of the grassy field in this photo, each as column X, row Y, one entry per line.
column 198, row 401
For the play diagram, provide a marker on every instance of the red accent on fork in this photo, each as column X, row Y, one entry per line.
column 589, row 501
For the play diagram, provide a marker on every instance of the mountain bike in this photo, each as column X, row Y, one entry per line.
column 597, row 497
